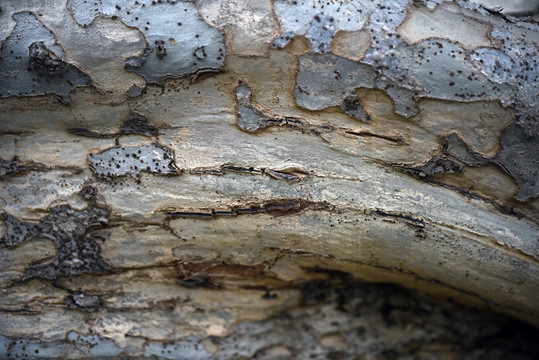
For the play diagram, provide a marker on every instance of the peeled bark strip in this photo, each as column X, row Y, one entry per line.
column 233, row 179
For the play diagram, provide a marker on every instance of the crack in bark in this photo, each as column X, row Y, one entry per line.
column 273, row 207
column 134, row 124
column 505, row 209
column 15, row 167
column 286, row 172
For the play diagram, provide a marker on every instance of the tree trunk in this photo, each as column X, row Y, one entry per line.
column 258, row 179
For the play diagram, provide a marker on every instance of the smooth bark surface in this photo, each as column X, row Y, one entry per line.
column 176, row 176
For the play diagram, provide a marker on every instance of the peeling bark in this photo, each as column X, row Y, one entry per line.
column 268, row 179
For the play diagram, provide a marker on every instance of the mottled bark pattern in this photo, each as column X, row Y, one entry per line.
column 268, row 179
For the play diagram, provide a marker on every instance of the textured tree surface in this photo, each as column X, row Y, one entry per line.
column 268, row 179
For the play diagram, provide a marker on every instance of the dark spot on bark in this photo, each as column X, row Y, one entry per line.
column 200, row 52
column 137, row 124
column 160, row 49
column 269, row 296
column 44, row 61
column 88, row 192
column 197, row 281
column 315, row 291
column 352, row 106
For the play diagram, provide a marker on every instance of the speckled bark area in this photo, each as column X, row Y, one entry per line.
column 268, row 179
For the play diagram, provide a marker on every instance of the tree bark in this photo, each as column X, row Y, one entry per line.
column 176, row 176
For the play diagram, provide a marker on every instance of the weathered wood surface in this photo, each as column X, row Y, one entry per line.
column 170, row 170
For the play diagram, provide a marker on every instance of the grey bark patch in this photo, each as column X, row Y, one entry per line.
column 453, row 146
column 95, row 346
column 135, row 91
column 382, row 22
column 324, row 80
column 319, row 20
column 121, row 161
column 519, row 158
column 251, row 119
column 281, row 41
column 405, row 100
column 248, row 117
column 515, row 69
column 453, row 76
column 442, row 69
column 77, row 252
column 243, row 93
column 159, row 20
column 18, row 230
column 321, row 33
column 437, row 165
column 32, row 63
column 434, row 68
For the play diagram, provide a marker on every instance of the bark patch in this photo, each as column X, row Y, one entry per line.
column 77, row 252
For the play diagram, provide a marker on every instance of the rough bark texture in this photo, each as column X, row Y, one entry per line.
column 228, row 179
